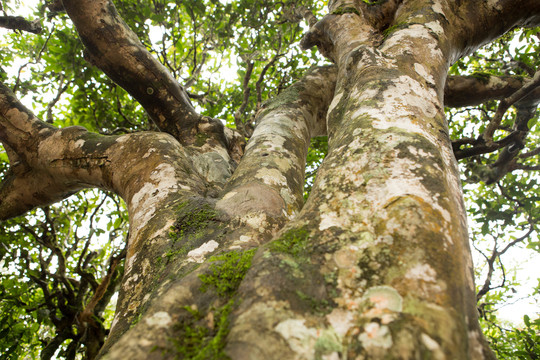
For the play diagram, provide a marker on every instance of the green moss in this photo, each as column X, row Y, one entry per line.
column 191, row 226
column 294, row 242
column 329, row 341
column 192, row 221
column 369, row 2
column 200, row 139
column 228, row 271
column 347, row 10
column 318, row 306
column 195, row 340
column 136, row 319
column 391, row 29
column 482, row 77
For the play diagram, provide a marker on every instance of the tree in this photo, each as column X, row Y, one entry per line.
column 223, row 258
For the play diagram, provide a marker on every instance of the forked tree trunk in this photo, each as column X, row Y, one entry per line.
column 376, row 264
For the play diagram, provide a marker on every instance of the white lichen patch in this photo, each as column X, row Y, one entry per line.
column 424, row 280
column 272, row 132
column 421, row 70
column 382, row 300
column 346, row 257
column 287, row 195
column 375, row 336
column 496, row 83
column 198, row 255
column 341, row 320
column 160, row 319
column 332, row 218
column 331, row 356
column 149, row 152
column 409, row 40
column 422, row 272
column 129, row 262
column 132, row 279
column 301, row 339
column 403, row 182
column 122, row 138
column 228, row 195
column 147, row 200
column 437, row 7
column 494, row 4
column 158, row 235
column 79, row 143
column 436, row 27
column 271, row 177
column 404, row 101
column 256, row 221
column 433, row 346
column 335, row 101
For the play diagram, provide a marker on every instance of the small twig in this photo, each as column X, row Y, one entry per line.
column 530, row 153
column 487, row 135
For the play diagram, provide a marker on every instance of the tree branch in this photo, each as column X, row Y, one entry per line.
column 240, row 125
column 20, row 23
column 279, row 146
column 115, row 49
column 461, row 91
column 495, row 122
column 480, row 23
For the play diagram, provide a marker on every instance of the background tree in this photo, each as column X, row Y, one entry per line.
column 223, row 258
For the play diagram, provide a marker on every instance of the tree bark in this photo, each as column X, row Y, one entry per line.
column 223, row 258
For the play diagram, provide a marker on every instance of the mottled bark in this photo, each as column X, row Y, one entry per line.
column 476, row 89
column 375, row 265
column 20, row 23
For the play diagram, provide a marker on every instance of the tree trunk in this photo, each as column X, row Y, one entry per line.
column 224, row 259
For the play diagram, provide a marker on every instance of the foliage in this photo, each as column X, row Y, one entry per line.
column 505, row 215
column 522, row 342
column 52, row 261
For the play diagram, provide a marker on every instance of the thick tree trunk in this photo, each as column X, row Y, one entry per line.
column 375, row 265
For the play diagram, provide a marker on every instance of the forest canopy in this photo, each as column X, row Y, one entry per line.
column 213, row 71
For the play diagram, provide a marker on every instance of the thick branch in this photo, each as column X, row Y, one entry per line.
column 20, row 23
column 53, row 163
column 115, row 49
column 480, row 22
column 278, row 149
column 461, row 91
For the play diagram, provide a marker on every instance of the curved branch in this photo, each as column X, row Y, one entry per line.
column 278, row 147
column 52, row 164
column 113, row 47
column 481, row 22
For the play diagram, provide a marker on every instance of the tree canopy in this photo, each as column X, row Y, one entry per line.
column 208, row 73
